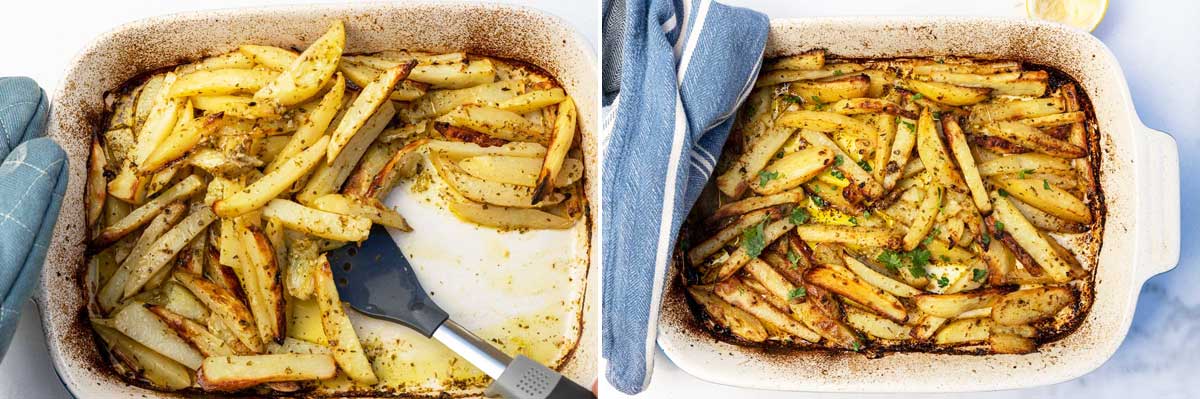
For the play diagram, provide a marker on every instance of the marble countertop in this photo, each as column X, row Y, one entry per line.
column 1156, row 44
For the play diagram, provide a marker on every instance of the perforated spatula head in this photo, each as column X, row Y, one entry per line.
column 377, row 280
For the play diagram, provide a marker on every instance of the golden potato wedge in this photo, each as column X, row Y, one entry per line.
column 1010, row 344
column 740, row 323
column 162, row 118
column 858, row 176
column 949, row 94
column 165, row 248
column 864, row 236
column 828, row 91
column 238, row 106
column 533, row 100
column 1047, row 197
column 329, row 176
column 988, row 68
column 900, row 153
column 752, row 161
column 232, row 373
column 1034, row 139
column 220, row 81
column 923, row 220
column 1029, row 83
column 1015, row 164
column 793, row 170
column 736, row 293
column 772, row 78
column 879, row 280
column 442, row 101
column 863, row 105
column 1013, row 224
column 1053, row 120
column 226, row 308
column 966, row 163
column 195, row 333
column 564, row 134
column 495, row 122
column 97, row 185
column 933, row 154
column 182, row 139
column 265, row 288
column 114, row 289
column 751, row 204
column 1017, row 109
column 269, row 56
column 808, row 60
column 141, row 325
column 347, row 350
column 953, row 305
column 764, row 233
column 964, row 332
column 490, row 192
column 1045, row 221
column 849, row 286
column 1029, row 305
column 508, row 218
column 364, row 107
column 369, row 208
column 272, row 184
column 309, row 72
column 160, row 370
column 316, row 222
column 876, row 326
column 315, row 123
column 521, row 171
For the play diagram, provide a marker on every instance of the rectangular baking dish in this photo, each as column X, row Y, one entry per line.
column 502, row 31
column 1139, row 178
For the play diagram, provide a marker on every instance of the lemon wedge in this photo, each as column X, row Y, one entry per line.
column 1082, row 14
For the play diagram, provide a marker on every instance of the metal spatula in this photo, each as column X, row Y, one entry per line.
column 376, row 279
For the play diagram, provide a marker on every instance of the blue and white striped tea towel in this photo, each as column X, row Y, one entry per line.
column 683, row 68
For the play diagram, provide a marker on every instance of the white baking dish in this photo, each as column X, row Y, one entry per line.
column 502, row 31
column 1139, row 178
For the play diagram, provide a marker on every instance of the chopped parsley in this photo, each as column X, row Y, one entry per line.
column 837, row 72
column 837, row 160
column 1045, row 184
column 1002, row 192
column 918, row 96
column 1024, row 172
column 799, row 292
column 977, row 275
column 853, row 220
column 919, row 258
column 856, row 346
column 929, row 238
column 937, row 114
column 819, row 202
column 987, row 240
column 943, row 282
column 765, row 176
column 794, row 258
column 793, row 99
column 816, row 99
column 754, row 240
column 799, row 215
column 863, row 164
column 909, row 125
column 890, row 259
column 999, row 226
column 944, row 258
column 838, row 174
column 916, row 259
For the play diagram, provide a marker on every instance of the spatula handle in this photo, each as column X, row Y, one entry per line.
column 519, row 378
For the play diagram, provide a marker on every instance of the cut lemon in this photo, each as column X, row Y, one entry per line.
column 1082, row 14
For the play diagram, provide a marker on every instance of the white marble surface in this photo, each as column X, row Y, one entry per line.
column 1157, row 45
column 40, row 37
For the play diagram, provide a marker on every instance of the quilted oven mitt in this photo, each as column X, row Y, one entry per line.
column 33, row 177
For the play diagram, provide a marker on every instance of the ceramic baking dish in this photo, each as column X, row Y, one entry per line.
column 1139, row 178
column 501, row 31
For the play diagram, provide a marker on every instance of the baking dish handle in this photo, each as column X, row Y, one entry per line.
column 1158, row 208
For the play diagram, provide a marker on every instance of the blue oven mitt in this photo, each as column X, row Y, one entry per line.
column 32, row 180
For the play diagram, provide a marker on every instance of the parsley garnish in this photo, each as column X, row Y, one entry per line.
column 754, row 240
column 978, row 275
column 1045, row 184
column 838, row 174
column 837, row 160
column 837, row 72
column 987, row 240
column 943, row 281
column 1002, row 192
column 863, row 164
column 929, row 238
column 794, row 258
column 909, row 125
column 799, row 215
column 919, row 258
column 799, row 292
column 816, row 99
column 793, row 99
column 890, row 259
column 1024, row 172
column 999, row 226
column 855, row 346
column 765, row 176
column 918, row 96
column 853, row 220
column 937, row 114
column 819, row 202
column 944, row 258
column 779, row 155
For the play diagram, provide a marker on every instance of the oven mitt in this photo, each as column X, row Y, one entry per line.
column 683, row 68
column 33, row 177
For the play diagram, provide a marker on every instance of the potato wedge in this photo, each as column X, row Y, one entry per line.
column 1015, row 164
column 740, row 323
column 850, row 235
column 159, row 122
column 863, row 105
column 699, row 252
column 953, row 305
column 165, row 248
column 966, row 163
column 97, row 185
column 775, row 77
column 269, row 56
column 793, row 170
column 1030, row 83
column 364, row 107
column 964, row 332
column 182, row 139
column 272, row 184
column 849, row 286
column 876, row 326
column 114, row 289
column 751, row 204
column 858, row 176
column 220, row 81
column 368, row 208
column 752, row 161
column 489, row 192
column 508, row 218
column 1017, row 109
column 1047, row 197
column 195, row 333
column 141, row 325
column 770, row 232
column 160, row 370
column 901, row 151
column 949, row 94
column 1034, row 139
column 226, row 308
column 330, row 176
column 521, row 171
column 1010, row 344
column 1030, row 305
column 231, row 373
column 736, row 293
column 564, row 133
column 809, row 60
column 1013, row 224
column 316, row 222
column 828, row 91
column 933, row 154
column 347, row 350
column 879, row 280
column 495, row 122
column 309, row 72
column 238, row 106
column 442, row 101
column 533, row 100
column 265, row 288
column 314, row 125
column 924, row 219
